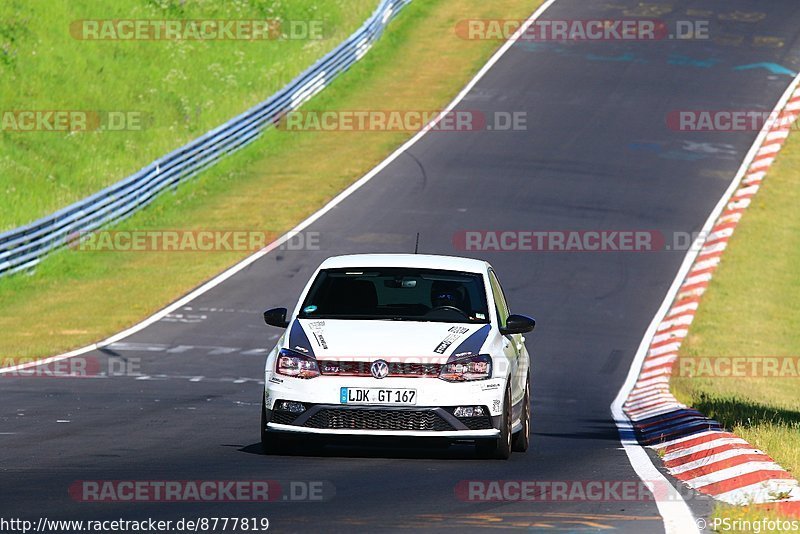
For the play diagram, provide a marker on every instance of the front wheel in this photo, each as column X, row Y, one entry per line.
column 499, row 448
column 523, row 437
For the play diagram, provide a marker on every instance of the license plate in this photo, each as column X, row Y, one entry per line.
column 401, row 397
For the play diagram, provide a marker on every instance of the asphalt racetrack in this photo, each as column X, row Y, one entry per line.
column 597, row 154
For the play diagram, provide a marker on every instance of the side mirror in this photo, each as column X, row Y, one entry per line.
column 276, row 317
column 518, row 324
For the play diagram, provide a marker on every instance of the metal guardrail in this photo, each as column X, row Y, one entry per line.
column 23, row 247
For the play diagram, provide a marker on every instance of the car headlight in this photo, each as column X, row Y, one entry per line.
column 294, row 364
column 475, row 367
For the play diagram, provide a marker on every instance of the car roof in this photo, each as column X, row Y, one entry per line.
column 419, row 261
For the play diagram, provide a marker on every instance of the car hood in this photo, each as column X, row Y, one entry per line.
column 353, row 339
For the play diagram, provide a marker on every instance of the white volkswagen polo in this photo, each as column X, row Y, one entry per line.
column 400, row 345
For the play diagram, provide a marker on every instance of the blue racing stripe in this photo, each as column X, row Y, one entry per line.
column 474, row 342
column 298, row 340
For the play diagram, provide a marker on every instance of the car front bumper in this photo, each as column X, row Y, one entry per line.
column 455, row 434
column 432, row 416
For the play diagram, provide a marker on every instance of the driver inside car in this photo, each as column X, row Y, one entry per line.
column 448, row 294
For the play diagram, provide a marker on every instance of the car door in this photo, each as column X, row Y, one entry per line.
column 511, row 343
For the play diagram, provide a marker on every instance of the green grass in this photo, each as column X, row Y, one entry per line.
column 181, row 88
column 75, row 298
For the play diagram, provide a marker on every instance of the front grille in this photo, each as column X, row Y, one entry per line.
column 477, row 423
column 283, row 418
column 396, row 369
column 370, row 419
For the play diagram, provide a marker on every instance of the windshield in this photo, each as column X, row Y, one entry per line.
column 397, row 294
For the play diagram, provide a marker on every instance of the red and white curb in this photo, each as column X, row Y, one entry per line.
column 695, row 449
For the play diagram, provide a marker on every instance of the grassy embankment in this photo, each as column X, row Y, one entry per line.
column 176, row 89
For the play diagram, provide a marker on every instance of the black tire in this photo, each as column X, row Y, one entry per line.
column 523, row 437
column 271, row 442
column 499, row 448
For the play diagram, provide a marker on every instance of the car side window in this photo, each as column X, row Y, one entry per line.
column 499, row 299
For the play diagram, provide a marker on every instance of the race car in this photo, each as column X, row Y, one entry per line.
column 404, row 345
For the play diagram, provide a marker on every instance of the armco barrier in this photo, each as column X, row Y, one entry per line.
column 23, row 247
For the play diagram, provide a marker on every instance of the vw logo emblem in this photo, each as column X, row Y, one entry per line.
column 379, row 369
